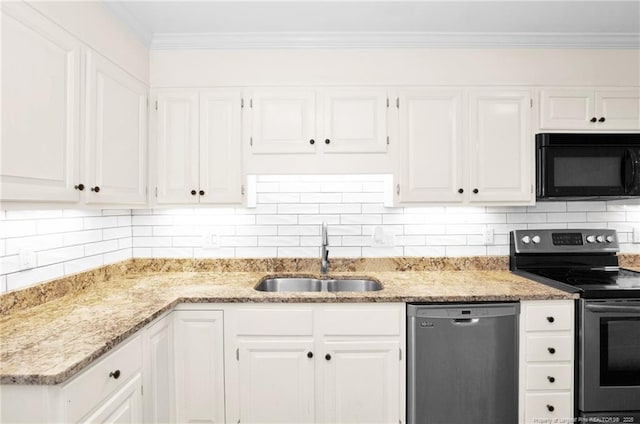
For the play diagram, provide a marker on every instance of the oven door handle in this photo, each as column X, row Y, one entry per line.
column 599, row 309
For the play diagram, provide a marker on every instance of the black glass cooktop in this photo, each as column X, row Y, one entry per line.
column 597, row 283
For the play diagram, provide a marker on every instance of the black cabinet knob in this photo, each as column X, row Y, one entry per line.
column 551, row 350
column 312, row 141
column 115, row 374
column 551, row 319
column 309, row 354
column 327, row 357
column 475, row 191
column 193, row 192
column 79, row 187
column 201, row 192
column 601, row 119
column 594, row 119
column 551, row 379
column 460, row 191
column 550, row 408
column 327, row 141
column 96, row 189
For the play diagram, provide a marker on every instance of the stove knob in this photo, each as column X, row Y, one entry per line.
column 609, row 239
column 600, row 239
column 535, row 239
column 526, row 239
column 591, row 239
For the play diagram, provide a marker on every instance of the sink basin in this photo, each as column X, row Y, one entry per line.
column 299, row 284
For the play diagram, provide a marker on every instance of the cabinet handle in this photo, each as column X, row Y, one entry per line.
column 96, row 189
column 201, row 192
column 475, row 191
column 115, row 374
column 460, row 191
column 551, row 379
column 601, row 119
column 327, row 141
column 309, row 354
column 327, row 357
column 594, row 119
column 398, row 189
column 193, row 192
column 79, row 187
column 312, row 141
column 550, row 408
column 551, row 319
column 551, row 350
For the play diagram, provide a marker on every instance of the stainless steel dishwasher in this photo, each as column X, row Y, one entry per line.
column 462, row 363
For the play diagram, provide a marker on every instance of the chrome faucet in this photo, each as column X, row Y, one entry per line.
column 324, row 255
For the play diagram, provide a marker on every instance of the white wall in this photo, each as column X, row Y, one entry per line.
column 285, row 223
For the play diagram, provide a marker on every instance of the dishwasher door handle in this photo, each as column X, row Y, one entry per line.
column 465, row 321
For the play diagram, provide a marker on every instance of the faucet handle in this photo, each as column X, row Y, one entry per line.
column 326, row 255
column 325, row 234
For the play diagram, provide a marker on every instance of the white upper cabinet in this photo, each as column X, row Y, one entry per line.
column 430, row 145
column 500, row 146
column 40, row 108
column 116, row 134
column 197, row 147
column 355, row 121
column 590, row 109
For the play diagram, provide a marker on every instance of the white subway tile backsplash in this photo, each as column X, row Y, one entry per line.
column 278, row 241
column 259, row 230
column 465, row 229
column 232, row 241
column 344, row 187
column 256, row 252
column 117, row 256
column 83, row 264
column 323, row 197
column 567, row 217
column 417, row 251
column 361, row 198
column 606, row 216
column 528, row 218
column 116, row 233
column 318, row 219
column 548, row 207
column 298, row 252
column 21, row 228
column 172, row 252
column 220, row 252
column 35, row 243
column 298, row 209
column 101, row 222
column 278, row 219
column 298, row 230
column 345, row 252
column 466, row 250
column 350, row 219
column 278, row 197
column 338, row 208
column 100, row 247
column 441, row 240
column 82, row 237
column 299, row 187
column 586, row 206
column 53, row 256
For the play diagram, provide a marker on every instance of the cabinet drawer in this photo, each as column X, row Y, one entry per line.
column 86, row 391
column 549, row 348
column 549, row 317
column 361, row 322
column 549, row 377
column 275, row 322
column 547, row 407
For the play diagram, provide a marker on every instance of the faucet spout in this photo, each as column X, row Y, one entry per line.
column 324, row 255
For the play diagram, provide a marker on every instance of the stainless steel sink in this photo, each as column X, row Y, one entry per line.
column 301, row 284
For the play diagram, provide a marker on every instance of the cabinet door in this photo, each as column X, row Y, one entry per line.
column 276, row 381
column 116, row 134
column 283, row 121
column 124, row 407
column 360, row 381
column 355, row 121
column 40, row 108
column 158, row 375
column 430, row 163
column 501, row 147
column 567, row 109
column 620, row 108
column 220, row 148
column 177, row 147
column 199, row 366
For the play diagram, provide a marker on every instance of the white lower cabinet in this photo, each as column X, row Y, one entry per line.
column 157, row 345
column 125, row 406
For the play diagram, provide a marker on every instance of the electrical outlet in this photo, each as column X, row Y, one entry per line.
column 27, row 258
column 636, row 234
column 210, row 241
column 488, row 236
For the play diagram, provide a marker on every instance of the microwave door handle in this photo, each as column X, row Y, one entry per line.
column 613, row 309
column 629, row 170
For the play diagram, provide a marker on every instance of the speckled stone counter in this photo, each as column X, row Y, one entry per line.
column 48, row 340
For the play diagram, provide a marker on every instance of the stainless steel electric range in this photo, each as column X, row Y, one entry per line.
column 608, row 314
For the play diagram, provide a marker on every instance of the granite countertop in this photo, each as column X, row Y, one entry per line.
column 50, row 341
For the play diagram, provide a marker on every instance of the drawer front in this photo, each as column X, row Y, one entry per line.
column 86, row 391
column 549, row 317
column 290, row 321
column 548, row 407
column 377, row 320
column 549, row 348
column 549, row 377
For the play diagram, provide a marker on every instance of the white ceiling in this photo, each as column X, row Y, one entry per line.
column 366, row 23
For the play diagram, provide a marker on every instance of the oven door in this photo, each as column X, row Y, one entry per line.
column 609, row 349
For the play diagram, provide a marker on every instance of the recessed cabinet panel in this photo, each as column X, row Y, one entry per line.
column 177, row 147
column 124, row 407
column 116, row 134
column 40, row 108
column 620, row 108
column 355, row 121
column 500, row 147
column 431, row 146
column 283, row 121
column 567, row 109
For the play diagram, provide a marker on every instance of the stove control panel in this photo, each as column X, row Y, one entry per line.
column 570, row 241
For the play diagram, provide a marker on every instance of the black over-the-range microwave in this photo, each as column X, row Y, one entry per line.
column 587, row 166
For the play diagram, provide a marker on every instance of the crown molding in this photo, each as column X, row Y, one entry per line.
column 123, row 14
column 294, row 40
